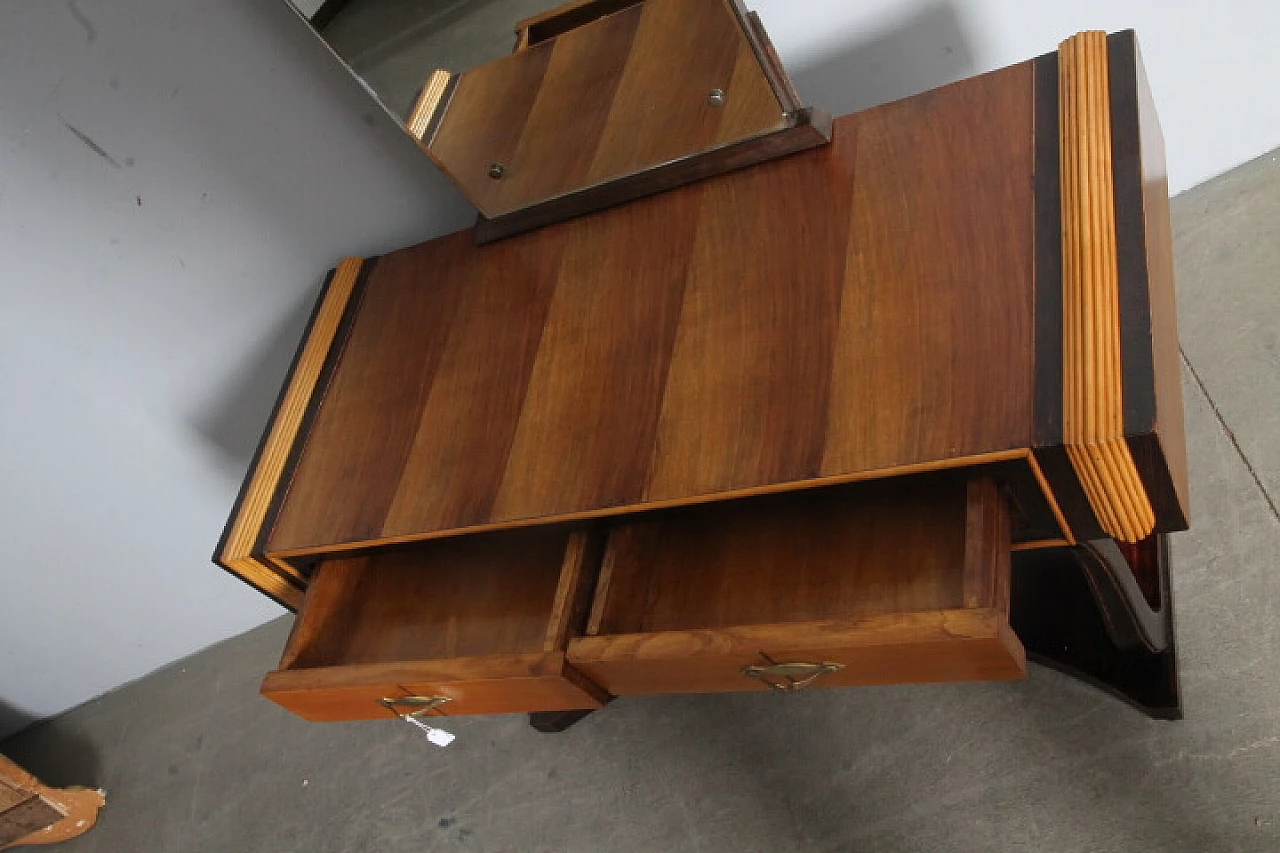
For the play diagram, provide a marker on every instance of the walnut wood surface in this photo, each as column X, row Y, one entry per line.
column 900, row 582
column 615, row 96
column 858, row 309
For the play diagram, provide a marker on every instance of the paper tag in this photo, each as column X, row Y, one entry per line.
column 440, row 737
column 437, row 736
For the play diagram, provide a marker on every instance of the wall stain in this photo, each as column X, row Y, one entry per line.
column 89, row 143
column 90, row 31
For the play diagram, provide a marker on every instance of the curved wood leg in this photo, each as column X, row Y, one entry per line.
column 1102, row 613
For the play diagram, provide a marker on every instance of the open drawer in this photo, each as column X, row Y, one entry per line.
column 470, row 625
column 886, row 582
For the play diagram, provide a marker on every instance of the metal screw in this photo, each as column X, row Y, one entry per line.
column 716, row 97
column 496, row 171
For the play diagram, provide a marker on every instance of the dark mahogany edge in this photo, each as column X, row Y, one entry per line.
column 1137, row 357
column 1033, row 516
column 1153, row 468
column 554, row 24
column 312, row 406
column 774, row 73
column 1058, row 616
column 809, row 128
column 1130, row 618
column 1047, row 255
column 332, row 358
column 1058, row 472
column 262, row 444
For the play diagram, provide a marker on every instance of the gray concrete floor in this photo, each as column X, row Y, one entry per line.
column 193, row 760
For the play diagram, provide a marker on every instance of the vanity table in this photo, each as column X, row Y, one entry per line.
column 902, row 407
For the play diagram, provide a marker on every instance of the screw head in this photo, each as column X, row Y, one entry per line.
column 716, row 97
column 497, row 170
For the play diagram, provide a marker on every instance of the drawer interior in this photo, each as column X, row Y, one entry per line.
column 896, row 581
column 480, row 619
column 463, row 597
column 889, row 547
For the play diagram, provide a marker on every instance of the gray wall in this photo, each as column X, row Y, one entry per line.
column 175, row 178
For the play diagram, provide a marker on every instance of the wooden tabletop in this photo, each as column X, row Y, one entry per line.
column 855, row 310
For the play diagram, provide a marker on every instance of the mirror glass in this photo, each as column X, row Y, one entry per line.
column 394, row 45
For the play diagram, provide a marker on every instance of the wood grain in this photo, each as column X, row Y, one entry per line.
column 454, row 598
column 481, row 619
column 613, row 96
column 40, row 814
column 830, row 553
column 1093, row 416
column 424, row 118
column 237, row 551
column 951, row 645
column 926, row 282
column 812, row 320
column 825, row 573
column 496, row 684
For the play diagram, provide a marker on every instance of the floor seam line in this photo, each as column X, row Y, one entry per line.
column 1231, row 436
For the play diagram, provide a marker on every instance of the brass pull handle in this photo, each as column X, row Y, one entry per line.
column 790, row 676
column 422, row 704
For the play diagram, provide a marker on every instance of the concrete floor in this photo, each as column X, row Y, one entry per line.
column 193, row 760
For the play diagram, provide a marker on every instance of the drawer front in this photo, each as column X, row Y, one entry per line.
column 960, row 645
column 356, row 692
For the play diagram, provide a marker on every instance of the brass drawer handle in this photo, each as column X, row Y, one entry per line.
column 791, row 676
column 422, row 704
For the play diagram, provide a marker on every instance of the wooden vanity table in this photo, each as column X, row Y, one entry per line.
column 904, row 407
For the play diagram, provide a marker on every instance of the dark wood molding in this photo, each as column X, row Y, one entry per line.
column 810, row 128
column 1080, row 611
column 562, row 19
column 1131, row 237
column 1048, row 256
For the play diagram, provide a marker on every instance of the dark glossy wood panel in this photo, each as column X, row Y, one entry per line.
column 857, row 310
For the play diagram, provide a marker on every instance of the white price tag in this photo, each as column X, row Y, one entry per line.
column 437, row 736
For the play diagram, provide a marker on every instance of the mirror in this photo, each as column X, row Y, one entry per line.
column 394, row 45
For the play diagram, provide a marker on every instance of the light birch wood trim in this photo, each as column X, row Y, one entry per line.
column 1093, row 411
column 429, row 102
column 237, row 554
